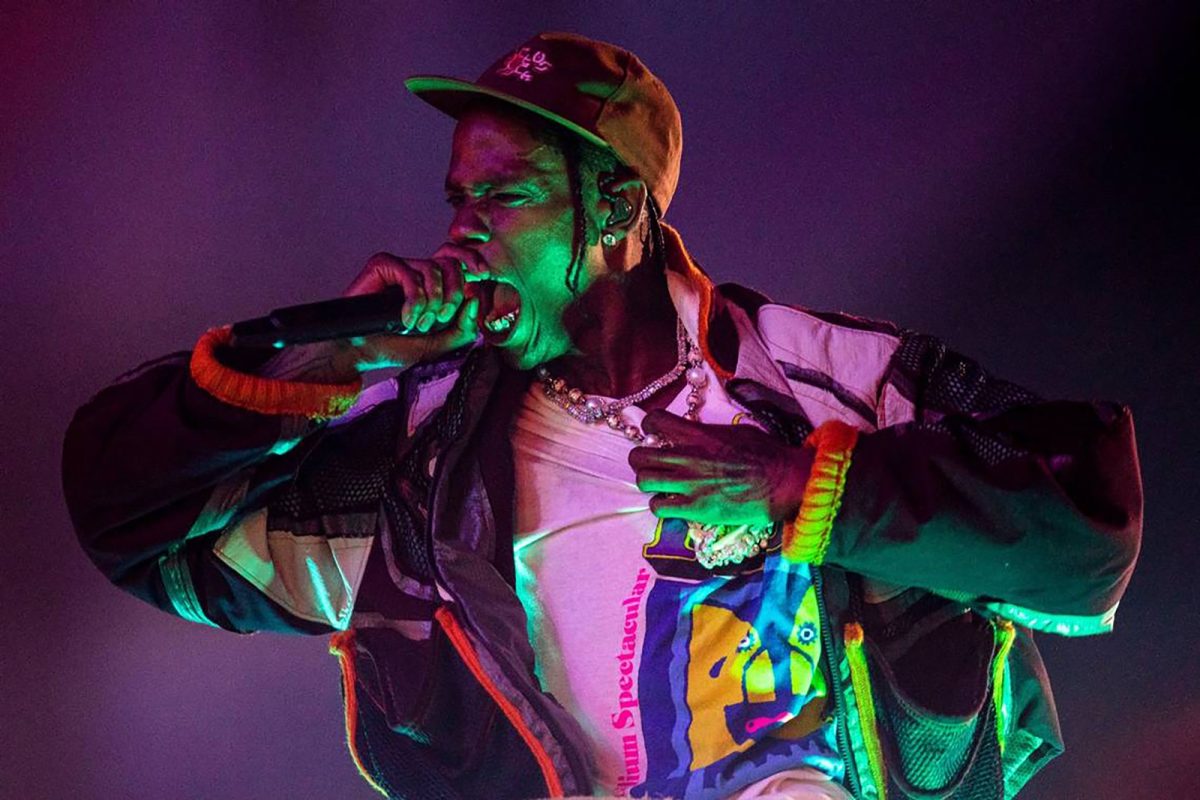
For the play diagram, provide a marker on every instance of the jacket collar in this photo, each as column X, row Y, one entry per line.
column 727, row 335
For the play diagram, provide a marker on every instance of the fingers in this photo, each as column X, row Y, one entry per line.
column 474, row 268
column 709, row 508
column 482, row 294
column 661, row 422
column 452, row 289
column 425, row 313
column 673, row 483
column 381, row 271
column 683, row 472
column 666, row 506
column 697, row 507
column 471, row 306
column 657, row 478
column 433, row 289
column 468, row 320
column 677, row 457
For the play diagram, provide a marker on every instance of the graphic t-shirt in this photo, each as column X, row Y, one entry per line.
column 688, row 682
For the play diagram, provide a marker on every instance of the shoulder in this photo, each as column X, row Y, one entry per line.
column 787, row 323
column 891, row 369
column 823, row 352
column 934, row 376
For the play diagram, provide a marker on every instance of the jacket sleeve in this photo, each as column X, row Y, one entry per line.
column 156, row 471
column 1032, row 509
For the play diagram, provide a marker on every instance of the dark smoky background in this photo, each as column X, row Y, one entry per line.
column 1020, row 179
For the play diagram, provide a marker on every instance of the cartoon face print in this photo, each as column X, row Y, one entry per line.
column 746, row 679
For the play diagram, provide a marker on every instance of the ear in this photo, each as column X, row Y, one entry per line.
column 622, row 203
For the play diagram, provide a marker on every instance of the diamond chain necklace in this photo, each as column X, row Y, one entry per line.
column 714, row 545
column 590, row 410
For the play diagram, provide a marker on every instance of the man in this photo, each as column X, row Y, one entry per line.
column 613, row 530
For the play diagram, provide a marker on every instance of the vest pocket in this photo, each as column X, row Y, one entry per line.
column 953, row 752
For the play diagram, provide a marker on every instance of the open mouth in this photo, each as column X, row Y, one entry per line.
column 501, row 319
column 502, row 323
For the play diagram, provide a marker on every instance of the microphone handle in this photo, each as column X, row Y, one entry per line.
column 342, row 318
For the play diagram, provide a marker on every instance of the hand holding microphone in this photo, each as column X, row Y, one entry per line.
column 397, row 312
column 440, row 312
column 433, row 288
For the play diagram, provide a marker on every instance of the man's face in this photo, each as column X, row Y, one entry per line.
column 512, row 204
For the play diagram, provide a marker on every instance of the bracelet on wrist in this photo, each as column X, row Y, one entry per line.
column 806, row 537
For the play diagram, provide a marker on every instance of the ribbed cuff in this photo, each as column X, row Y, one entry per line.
column 266, row 395
column 806, row 538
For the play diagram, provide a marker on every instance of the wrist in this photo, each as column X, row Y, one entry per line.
column 317, row 362
column 806, row 537
column 797, row 480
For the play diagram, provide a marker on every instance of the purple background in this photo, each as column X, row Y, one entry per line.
column 1021, row 182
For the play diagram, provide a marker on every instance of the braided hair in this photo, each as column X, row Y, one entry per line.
column 584, row 161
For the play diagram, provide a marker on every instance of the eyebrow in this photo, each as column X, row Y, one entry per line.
column 491, row 182
column 453, row 187
column 500, row 178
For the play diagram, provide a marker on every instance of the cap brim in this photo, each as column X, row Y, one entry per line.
column 451, row 96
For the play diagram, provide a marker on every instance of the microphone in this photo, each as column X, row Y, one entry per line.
column 343, row 318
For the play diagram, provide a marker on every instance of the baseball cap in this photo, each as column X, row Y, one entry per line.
column 599, row 91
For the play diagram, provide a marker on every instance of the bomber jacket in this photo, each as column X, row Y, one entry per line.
column 973, row 515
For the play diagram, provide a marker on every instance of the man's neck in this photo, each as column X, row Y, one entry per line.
column 624, row 334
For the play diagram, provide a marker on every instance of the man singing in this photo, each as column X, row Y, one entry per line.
column 612, row 530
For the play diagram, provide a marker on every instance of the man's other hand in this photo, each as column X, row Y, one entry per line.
column 720, row 474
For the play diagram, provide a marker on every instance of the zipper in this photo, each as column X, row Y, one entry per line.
column 341, row 645
column 469, row 655
column 466, row 651
column 839, row 700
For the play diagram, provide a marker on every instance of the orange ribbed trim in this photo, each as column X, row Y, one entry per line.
column 458, row 638
column 806, row 538
column 342, row 645
column 681, row 261
column 266, row 395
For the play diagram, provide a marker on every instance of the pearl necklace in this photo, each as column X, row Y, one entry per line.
column 714, row 545
column 590, row 410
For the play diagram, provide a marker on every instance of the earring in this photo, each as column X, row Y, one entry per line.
column 608, row 240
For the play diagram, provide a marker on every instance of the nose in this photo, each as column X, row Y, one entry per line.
column 468, row 227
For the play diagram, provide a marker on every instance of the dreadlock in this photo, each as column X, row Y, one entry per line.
column 572, row 147
column 584, row 161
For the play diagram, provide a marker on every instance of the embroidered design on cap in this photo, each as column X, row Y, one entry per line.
column 522, row 64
